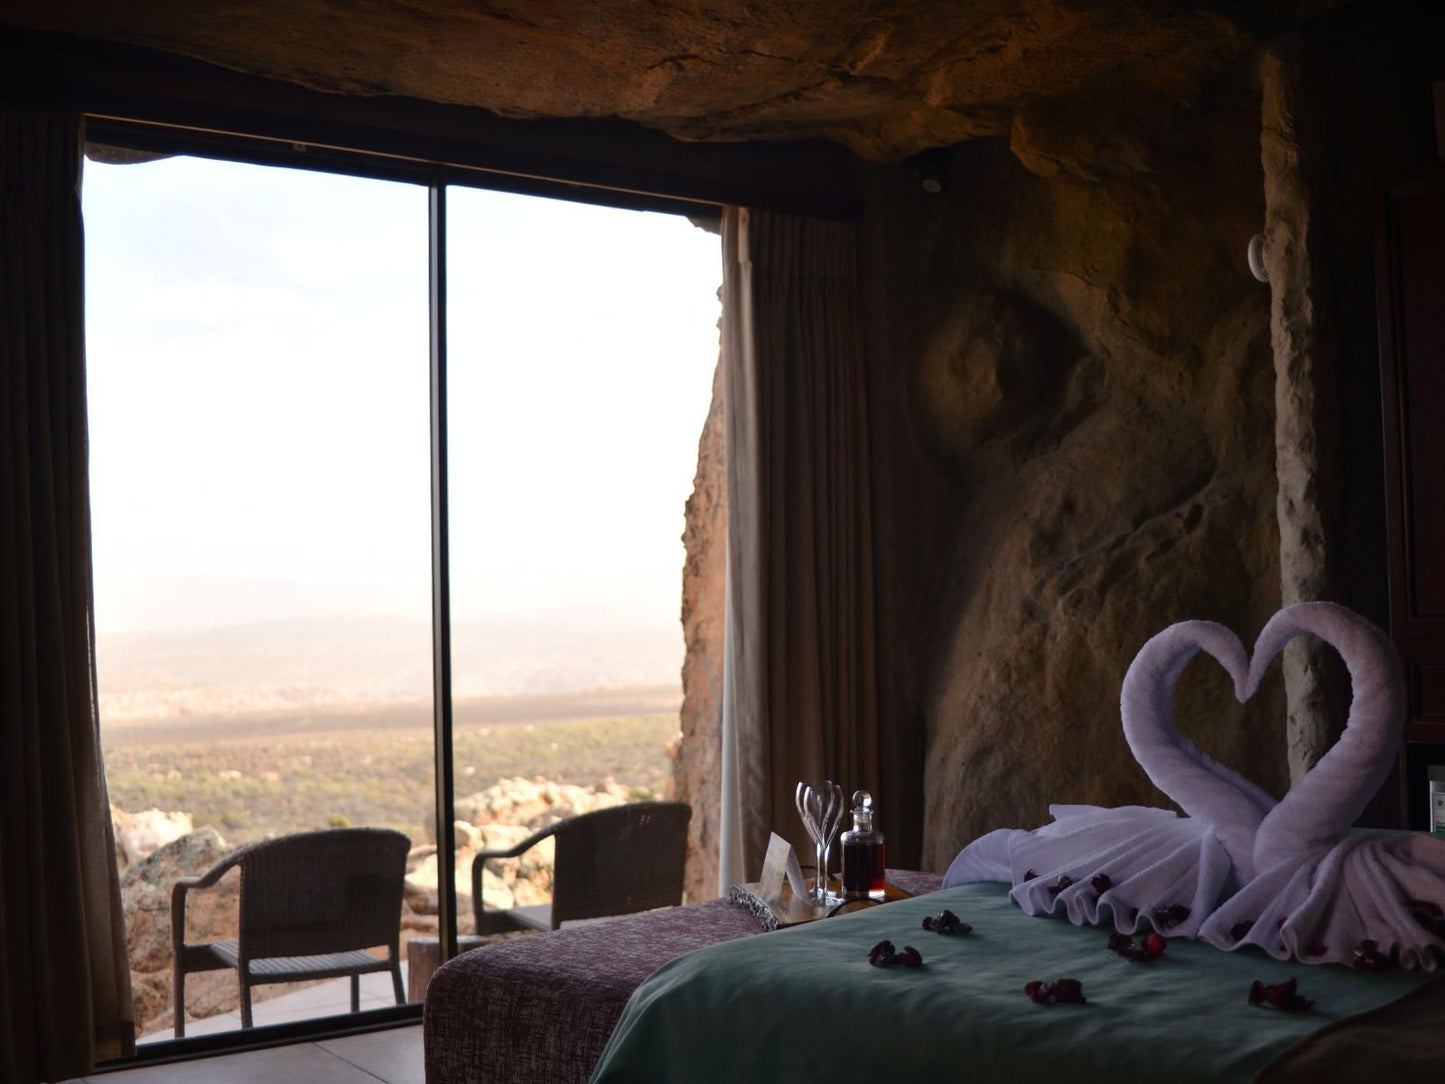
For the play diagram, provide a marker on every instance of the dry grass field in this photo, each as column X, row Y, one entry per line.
column 257, row 774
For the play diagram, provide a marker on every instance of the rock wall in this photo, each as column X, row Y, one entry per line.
column 1091, row 385
column 1307, row 363
column 697, row 767
column 1073, row 386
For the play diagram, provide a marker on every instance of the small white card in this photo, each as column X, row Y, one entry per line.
column 781, row 861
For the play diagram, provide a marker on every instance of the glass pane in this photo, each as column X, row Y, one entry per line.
column 258, row 382
column 583, row 343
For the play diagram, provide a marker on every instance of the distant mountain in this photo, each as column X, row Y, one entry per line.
column 316, row 662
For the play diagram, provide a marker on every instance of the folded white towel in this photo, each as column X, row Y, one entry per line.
column 1162, row 870
column 1133, row 867
column 1322, row 806
column 1288, row 877
column 1322, row 906
column 1319, row 892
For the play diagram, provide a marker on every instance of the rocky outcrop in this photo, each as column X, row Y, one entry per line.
column 493, row 819
column 698, row 764
column 885, row 80
column 139, row 834
column 145, row 890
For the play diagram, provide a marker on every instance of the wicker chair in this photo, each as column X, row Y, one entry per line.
column 310, row 905
column 609, row 862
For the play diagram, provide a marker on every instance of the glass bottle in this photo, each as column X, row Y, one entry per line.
column 863, row 852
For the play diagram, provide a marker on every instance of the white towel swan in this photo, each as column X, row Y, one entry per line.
column 1154, row 860
column 1318, row 892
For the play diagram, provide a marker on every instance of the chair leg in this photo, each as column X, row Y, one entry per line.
column 355, row 993
column 396, row 981
column 245, row 1003
column 179, row 985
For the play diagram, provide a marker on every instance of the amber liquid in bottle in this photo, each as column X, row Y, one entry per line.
column 863, row 869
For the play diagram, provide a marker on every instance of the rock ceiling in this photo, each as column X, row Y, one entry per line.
column 887, row 78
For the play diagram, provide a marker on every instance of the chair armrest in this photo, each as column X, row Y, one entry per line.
column 178, row 913
column 182, row 885
column 480, row 859
column 520, row 848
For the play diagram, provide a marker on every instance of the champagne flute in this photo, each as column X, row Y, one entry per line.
column 828, row 831
column 816, row 809
column 805, row 798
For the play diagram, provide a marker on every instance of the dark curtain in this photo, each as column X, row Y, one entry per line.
column 801, row 698
column 65, row 999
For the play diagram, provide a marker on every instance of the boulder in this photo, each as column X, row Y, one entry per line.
column 138, row 834
column 211, row 914
column 151, row 998
column 532, row 803
column 420, row 891
column 145, row 891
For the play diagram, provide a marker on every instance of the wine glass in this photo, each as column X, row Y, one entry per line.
column 817, row 809
column 806, row 799
column 828, row 827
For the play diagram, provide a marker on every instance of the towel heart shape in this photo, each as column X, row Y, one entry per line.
column 1320, row 808
column 1205, row 789
column 1241, row 869
column 1255, row 830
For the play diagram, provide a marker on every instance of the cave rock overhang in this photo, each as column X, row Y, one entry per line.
column 887, row 81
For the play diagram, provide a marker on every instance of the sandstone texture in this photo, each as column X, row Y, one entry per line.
column 887, row 80
column 1092, row 379
column 697, row 769
column 1306, row 413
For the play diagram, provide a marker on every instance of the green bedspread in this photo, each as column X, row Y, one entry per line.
column 805, row 1001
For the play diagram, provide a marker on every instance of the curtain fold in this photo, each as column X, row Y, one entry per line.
column 65, row 998
column 800, row 682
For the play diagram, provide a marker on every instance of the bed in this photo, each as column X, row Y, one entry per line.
column 807, row 1000
column 694, row 993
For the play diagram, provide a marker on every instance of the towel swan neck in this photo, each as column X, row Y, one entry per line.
column 1321, row 807
column 1207, row 791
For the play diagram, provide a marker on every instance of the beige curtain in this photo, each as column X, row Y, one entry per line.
column 65, row 999
column 800, row 683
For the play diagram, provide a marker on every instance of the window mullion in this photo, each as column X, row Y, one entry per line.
column 441, row 578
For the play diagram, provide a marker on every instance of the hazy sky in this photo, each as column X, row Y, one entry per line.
column 258, row 363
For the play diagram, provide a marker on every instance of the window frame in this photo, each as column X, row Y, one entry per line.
column 437, row 178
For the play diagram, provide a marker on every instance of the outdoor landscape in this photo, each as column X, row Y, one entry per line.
column 257, row 345
column 263, row 775
column 214, row 738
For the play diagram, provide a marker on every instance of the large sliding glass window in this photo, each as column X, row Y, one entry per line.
column 582, row 346
column 258, row 384
column 266, row 434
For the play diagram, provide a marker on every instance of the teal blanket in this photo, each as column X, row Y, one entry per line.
column 804, row 1003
